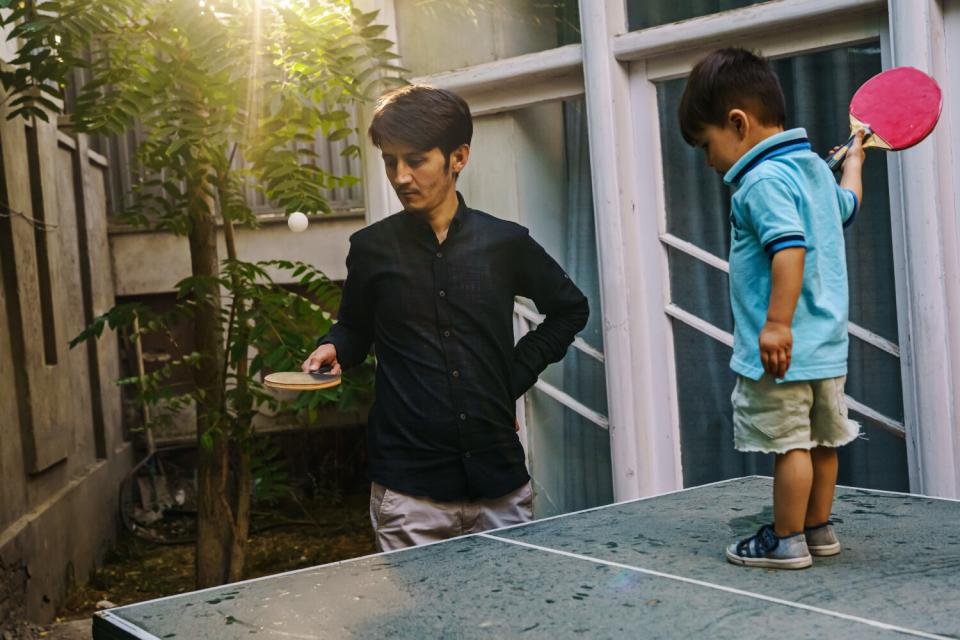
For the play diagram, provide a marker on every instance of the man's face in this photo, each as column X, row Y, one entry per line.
column 722, row 146
column 422, row 179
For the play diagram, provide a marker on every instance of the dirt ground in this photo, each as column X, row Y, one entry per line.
column 295, row 534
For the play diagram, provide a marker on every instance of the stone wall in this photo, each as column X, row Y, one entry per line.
column 62, row 446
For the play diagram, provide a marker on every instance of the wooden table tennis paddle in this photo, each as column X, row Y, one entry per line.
column 300, row 381
column 897, row 108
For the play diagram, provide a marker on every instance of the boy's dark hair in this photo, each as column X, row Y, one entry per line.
column 422, row 116
column 728, row 79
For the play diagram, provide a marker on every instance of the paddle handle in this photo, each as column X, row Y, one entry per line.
column 835, row 159
column 322, row 371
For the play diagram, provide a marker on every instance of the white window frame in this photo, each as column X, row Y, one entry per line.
column 927, row 242
column 668, row 52
column 759, row 28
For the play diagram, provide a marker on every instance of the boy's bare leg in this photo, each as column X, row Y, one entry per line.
column 824, row 461
column 792, row 483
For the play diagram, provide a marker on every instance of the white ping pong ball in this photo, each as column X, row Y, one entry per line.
column 297, row 222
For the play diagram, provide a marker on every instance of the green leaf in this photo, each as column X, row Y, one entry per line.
column 339, row 134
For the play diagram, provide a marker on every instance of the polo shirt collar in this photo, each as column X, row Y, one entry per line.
column 775, row 145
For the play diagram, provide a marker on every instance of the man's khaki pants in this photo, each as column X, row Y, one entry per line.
column 401, row 521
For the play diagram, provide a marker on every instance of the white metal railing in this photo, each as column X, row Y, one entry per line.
column 524, row 317
column 568, row 401
column 706, row 257
column 888, row 424
column 537, row 318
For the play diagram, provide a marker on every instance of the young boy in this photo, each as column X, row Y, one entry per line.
column 788, row 289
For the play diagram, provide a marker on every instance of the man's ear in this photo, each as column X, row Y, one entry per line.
column 737, row 118
column 459, row 158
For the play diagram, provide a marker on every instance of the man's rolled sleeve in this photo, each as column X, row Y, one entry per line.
column 566, row 309
column 352, row 334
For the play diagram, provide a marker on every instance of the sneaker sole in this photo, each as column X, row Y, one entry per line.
column 771, row 563
column 824, row 549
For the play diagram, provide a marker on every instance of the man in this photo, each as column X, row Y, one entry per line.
column 432, row 289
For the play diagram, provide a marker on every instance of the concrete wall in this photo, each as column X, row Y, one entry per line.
column 62, row 449
column 149, row 262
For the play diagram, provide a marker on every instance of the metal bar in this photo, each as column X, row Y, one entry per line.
column 706, row 257
column 699, row 324
column 874, row 339
column 578, row 343
column 694, row 251
column 882, row 421
column 581, row 409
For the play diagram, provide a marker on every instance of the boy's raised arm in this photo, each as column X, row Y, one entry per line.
column 852, row 177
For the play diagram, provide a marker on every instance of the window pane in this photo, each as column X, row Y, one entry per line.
column 642, row 14
column 533, row 166
column 442, row 35
column 698, row 211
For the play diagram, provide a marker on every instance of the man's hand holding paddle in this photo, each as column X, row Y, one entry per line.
column 320, row 371
column 323, row 356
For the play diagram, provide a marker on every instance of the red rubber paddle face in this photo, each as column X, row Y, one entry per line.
column 901, row 106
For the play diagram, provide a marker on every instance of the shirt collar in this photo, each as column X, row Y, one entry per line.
column 458, row 217
column 775, row 145
column 461, row 213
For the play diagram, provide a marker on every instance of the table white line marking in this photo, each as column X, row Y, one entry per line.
column 719, row 587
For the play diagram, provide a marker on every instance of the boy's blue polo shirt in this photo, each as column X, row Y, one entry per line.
column 785, row 196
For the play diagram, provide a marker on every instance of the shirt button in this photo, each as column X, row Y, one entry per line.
column 455, row 374
column 439, row 254
column 463, row 416
column 446, row 333
column 442, row 293
column 466, row 455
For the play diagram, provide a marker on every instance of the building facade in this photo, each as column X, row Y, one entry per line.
column 576, row 138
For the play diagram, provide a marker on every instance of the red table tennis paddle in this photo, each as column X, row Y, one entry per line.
column 897, row 108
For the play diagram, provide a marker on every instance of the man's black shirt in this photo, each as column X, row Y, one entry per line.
column 440, row 317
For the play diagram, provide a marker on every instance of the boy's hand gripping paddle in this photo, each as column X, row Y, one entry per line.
column 896, row 108
column 300, row 381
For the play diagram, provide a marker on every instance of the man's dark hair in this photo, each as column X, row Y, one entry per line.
column 728, row 79
column 424, row 117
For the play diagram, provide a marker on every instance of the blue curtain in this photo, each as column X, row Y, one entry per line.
column 586, row 446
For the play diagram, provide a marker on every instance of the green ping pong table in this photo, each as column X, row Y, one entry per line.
column 652, row 567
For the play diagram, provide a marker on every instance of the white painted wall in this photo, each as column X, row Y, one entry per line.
column 440, row 35
column 152, row 262
column 7, row 49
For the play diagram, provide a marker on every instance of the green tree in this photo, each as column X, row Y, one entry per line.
column 211, row 82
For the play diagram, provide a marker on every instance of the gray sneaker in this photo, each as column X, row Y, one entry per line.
column 766, row 549
column 821, row 540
